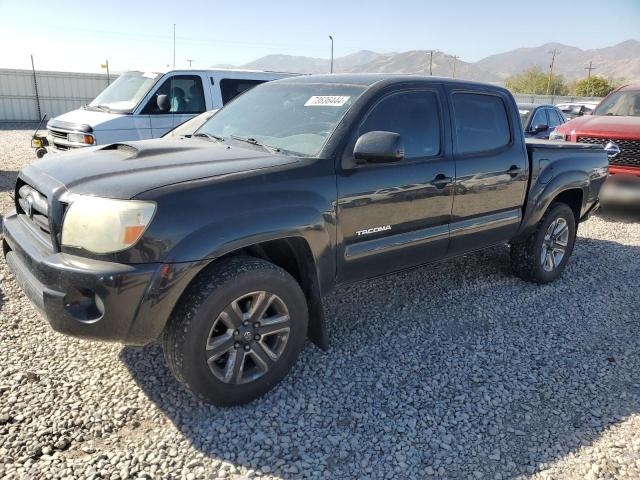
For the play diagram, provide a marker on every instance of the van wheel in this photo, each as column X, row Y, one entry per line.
column 543, row 256
column 237, row 331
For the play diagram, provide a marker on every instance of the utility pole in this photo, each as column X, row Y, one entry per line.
column 189, row 60
column 331, row 38
column 453, row 66
column 106, row 65
column 589, row 68
column 553, row 53
column 431, row 62
column 174, row 45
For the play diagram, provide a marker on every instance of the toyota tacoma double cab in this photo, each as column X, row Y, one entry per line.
column 223, row 244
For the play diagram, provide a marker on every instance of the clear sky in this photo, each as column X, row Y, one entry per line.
column 78, row 36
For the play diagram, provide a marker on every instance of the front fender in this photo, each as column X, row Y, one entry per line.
column 225, row 235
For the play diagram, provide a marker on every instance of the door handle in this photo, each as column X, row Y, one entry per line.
column 441, row 181
column 514, row 171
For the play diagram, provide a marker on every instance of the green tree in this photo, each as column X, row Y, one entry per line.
column 596, row 86
column 534, row 81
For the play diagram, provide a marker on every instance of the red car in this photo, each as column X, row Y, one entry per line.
column 615, row 124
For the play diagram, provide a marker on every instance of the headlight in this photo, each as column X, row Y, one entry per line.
column 102, row 225
column 81, row 138
column 555, row 135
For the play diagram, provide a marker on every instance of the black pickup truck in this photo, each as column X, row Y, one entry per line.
column 223, row 244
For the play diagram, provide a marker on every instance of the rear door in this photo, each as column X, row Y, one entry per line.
column 491, row 169
column 396, row 215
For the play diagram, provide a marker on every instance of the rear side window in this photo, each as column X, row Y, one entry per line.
column 415, row 116
column 232, row 87
column 481, row 123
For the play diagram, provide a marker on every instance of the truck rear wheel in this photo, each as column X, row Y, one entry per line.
column 543, row 256
column 237, row 331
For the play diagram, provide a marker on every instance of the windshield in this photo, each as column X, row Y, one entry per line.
column 190, row 126
column 524, row 115
column 620, row 103
column 125, row 92
column 297, row 118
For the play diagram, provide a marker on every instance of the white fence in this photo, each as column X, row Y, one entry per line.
column 552, row 99
column 57, row 93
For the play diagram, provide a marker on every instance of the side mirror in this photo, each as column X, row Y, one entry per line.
column 379, row 147
column 541, row 127
column 163, row 103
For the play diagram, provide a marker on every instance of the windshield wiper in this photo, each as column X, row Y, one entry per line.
column 211, row 137
column 253, row 141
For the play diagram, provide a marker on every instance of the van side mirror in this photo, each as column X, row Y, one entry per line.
column 163, row 103
column 541, row 127
column 379, row 147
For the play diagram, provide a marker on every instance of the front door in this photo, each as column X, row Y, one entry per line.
column 396, row 215
column 184, row 99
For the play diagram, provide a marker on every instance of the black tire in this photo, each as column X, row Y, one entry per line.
column 527, row 254
column 199, row 317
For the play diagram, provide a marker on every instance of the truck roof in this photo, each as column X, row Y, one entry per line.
column 369, row 79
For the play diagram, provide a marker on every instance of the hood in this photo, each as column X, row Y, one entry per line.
column 97, row 120
column 604, row 125
column 124, row 170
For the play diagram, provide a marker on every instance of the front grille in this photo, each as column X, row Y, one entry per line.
column 629, row 150
column 33, row 208
column 58, row 134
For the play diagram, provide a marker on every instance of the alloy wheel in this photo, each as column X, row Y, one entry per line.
column 554, row 245
column 248, row 337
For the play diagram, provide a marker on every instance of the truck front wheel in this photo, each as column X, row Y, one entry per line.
column 543, row 256
column 237, row 331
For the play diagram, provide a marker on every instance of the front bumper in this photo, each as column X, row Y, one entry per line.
column 621, row 189
column 89, row 298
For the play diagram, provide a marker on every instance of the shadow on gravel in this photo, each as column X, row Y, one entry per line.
column 18, row 126
column 464, row 370
column 620, row 214
column 8, row 180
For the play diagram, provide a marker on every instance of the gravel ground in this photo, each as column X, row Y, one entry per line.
column 463, row 372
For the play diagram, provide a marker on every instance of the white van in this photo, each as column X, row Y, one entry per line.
column 141, row 105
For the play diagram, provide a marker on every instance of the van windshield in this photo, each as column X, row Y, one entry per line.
column 296, row 118
column 125, row 92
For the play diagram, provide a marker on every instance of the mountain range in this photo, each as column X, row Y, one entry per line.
column 620, row 62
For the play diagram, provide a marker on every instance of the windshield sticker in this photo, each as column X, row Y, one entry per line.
column 149, row 75
column 326, row 101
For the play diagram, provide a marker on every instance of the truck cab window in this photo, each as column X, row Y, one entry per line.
column 415, row 116
column 481, row 123
column 231, row 88
column 185, row 95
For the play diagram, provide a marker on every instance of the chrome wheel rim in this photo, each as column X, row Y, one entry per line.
column 554, row 245
column 248, row 337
